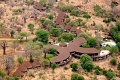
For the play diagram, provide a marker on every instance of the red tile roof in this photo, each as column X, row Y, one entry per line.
column 18, row 73
column 73, row 46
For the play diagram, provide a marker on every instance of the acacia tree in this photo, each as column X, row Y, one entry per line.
column 8, row 62
column 53, row 65
column 4, row 45
column 24, row 34
column 31, row 27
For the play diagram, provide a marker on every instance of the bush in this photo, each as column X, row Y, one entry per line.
column 110, row 74
column 118, row 67
column 88, row 66
column 65, row 68
column 50, row 16
column 67, row 7
column 74, row 66
column 12, row 78
column 97, row 67
column 86, row 16
column 20, row 59
column 80, row 77
column 104, row 72
column 52, row 51
column 2, row 74
column 45, row 63
column 113, row 61
column 75, row 13
column 97, row 72
column 85, row 45
column 74, row 76
column 40, row 74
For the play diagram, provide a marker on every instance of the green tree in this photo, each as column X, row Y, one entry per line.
column 42, row 35
column 113, row 61
column 31, row 27
column 24, row 34
column 55, row 31
column 114, row 49
column 91, row 41
column 80, row 77
column 48, row 22
column 50, row 16
column 12, row 33
column 20, row 59
column 74, row 66
column 66, row 37
column 74, row 76
column 88, row 65
column 53, row 65
column 110, row 74
column 52, row 51
column 45, row 63
column 84, row 58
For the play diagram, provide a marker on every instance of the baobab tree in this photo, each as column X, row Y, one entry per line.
column 2, row 10
column 4, row 45
column 8, row 62
column 2, row 28
column 14, row 45
column 45, row 50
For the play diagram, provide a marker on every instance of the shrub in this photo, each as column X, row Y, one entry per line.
column 52, row 50
column 113, row 61
column 20, row 59
column 118, row 67
column 110, row 74
column 97, row 67
column 65, row 68
column 104, row 72
column 75, row 12
column 74, row 76
column 80, row 77
column 40, row 74
column 2, row 74
column 97, row 72
column 86, row 16
column 74, row 66
column 50, row 16
column 85, row 45
column 88, row 66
